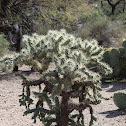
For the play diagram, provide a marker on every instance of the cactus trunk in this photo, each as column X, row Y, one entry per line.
column 64, row 109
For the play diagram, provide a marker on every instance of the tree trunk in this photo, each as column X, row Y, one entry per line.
column 15, row 69
column 64, row 109
column 113, row 10
column 18, row 45
column 113, row 6
column 123, row 7
column 101, row 4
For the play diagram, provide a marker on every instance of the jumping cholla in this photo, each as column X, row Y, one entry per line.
column 78, row 69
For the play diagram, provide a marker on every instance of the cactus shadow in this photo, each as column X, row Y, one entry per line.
column 26, row 72
column 12, row 75
column 114, row 86
column 7, row 76
column 114, row 113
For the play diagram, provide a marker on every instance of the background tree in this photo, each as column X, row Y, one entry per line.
column 113, row 5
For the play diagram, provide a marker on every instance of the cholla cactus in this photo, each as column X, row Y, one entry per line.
column 78, row 65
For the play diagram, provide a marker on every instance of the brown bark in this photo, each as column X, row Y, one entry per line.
column 113, row 6
column 64, row 109
column 124, row 3
column 18, row 36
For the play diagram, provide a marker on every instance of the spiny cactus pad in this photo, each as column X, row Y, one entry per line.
column 106, row 56
column 122, row 51
column 114, row 57
column 124, row 44
column 120, row 100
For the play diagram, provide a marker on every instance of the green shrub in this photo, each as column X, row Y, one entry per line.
column 78, row 65
column 108, row 33
column 120, row 100
column 63, row 14
column 4, row 45
column 93, row 27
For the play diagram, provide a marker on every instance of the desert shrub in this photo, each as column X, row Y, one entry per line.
column 63, row 14
column 4, row 45
column 69, row 13
column 121, row 17
column 93, row 28
column 107, row 29
column 115, row 30
column 108, row 33
column 107, row 9
column 78, row 68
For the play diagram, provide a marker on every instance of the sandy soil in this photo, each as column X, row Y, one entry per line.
column 11, row 113
column 106, row 112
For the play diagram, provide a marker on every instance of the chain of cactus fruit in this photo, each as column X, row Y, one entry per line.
column 77, row 75
column 116, row 58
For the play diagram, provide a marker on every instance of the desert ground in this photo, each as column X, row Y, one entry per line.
column 11, row 113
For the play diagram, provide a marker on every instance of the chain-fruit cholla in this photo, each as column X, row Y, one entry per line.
column 77, row 75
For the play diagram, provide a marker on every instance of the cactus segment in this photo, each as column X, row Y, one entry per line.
column 117, row 70
column 124, row 55
column 124, row 44
column 122, row 51
column 114, row 52
column 120, row 100
column 106, row 56
column 114, row 57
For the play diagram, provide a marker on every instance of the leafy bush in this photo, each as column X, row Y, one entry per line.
column 78, row 65
column 63, row 14
column 93, row 27
column 107, row 8
column 120, row 100
column 108, row 33
column 4, row 45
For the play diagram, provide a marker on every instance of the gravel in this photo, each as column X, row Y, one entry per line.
column 11, row 113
